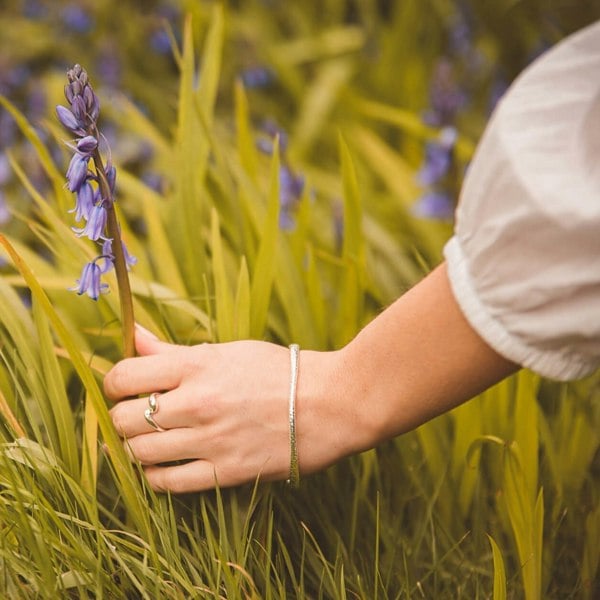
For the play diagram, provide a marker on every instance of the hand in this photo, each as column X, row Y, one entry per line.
column 225, row 410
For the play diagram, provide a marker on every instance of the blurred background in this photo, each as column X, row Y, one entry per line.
column 308, row 66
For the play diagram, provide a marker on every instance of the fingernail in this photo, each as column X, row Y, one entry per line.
column 145, row 332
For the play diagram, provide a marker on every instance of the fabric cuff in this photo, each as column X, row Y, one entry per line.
column 559, row 365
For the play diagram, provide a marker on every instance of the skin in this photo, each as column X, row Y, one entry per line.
column 225, row 406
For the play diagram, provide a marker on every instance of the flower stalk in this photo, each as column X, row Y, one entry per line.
column 119, row 260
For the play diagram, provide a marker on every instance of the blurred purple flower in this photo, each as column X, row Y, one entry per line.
column 109, row 66
column 446, row 96
column 438, row 157
column 291, row 187
column 435, row 204
column 76, row 18
column 257, row 77
column 160, row 41
column 34, row 9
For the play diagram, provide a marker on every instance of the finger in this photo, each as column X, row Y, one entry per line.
column 129, row 420
column 166, row 446
column 144, row 374
column 147, row 343
column 194, row 476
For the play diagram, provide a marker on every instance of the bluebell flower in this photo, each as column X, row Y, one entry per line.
column 77, row 173
column 96, row 224
column 68, row 120
column 438, row 157
column 86, row 145
column 85, row 199
column 76, row 18
column 94, row 185
column 447, row 98
column 257, row 77
column 89, row 282
column 111, row 177
column 160, row 41
column 435, row 204
column 34, row 9
column 108, row 256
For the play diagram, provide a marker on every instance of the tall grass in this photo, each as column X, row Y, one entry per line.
column 497, row 499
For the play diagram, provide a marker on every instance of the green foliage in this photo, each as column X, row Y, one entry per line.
column 497, row 499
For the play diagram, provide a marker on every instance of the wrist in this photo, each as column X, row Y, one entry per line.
column 332, row 419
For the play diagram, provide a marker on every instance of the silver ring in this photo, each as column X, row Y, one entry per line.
column 152, row 410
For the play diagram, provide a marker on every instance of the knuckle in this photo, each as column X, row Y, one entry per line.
column 166, row 480
column 115, row 380
column 116, row 415
column 141, row 448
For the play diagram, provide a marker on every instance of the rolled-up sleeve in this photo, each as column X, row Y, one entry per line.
column 524, row 261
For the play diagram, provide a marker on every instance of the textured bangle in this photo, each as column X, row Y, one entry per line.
column 294, row 479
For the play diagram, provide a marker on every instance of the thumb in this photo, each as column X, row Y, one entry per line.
column 147, row 343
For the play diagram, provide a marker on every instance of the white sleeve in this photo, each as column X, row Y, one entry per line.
column 524, row 261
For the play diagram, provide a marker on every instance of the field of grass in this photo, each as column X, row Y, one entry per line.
column 277, row 179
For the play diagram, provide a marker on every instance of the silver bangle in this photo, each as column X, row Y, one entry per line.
column 294, row 479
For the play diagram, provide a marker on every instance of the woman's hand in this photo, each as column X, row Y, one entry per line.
column 225, row 411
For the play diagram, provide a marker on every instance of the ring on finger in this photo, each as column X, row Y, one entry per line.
column 151, row 411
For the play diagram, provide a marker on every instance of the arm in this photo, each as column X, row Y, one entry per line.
column 225, row 405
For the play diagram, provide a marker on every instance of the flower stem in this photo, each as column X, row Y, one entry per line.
column 114, row 232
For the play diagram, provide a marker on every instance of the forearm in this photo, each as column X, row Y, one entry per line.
column 417, row 359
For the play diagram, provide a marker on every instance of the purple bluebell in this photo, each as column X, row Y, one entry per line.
column 95, row 226
column 435, row 204
column 34, row 9
column 447, row 98
column 85, row 200
column 111, row 177
column 76, row 18
column 291, row 187
column 77, row 173
column 86, row 145
column 257, row 77
column 94, row 196
column 89, row 281
column 107, row 254
column 68, row 120
column 160, row 41
column 438, row 157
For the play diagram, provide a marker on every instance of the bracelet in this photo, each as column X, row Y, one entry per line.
column 294, row 479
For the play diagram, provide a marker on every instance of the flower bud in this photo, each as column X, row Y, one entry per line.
column 67, row 118
column 79, row 109
column 87, row 144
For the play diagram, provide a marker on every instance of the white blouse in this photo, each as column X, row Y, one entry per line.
column 524, row 261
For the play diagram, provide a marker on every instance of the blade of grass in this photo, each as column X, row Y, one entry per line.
column 223, row 295
column 499, row 571
column 264, row 268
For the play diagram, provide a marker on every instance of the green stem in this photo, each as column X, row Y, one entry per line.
column 114, row 232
